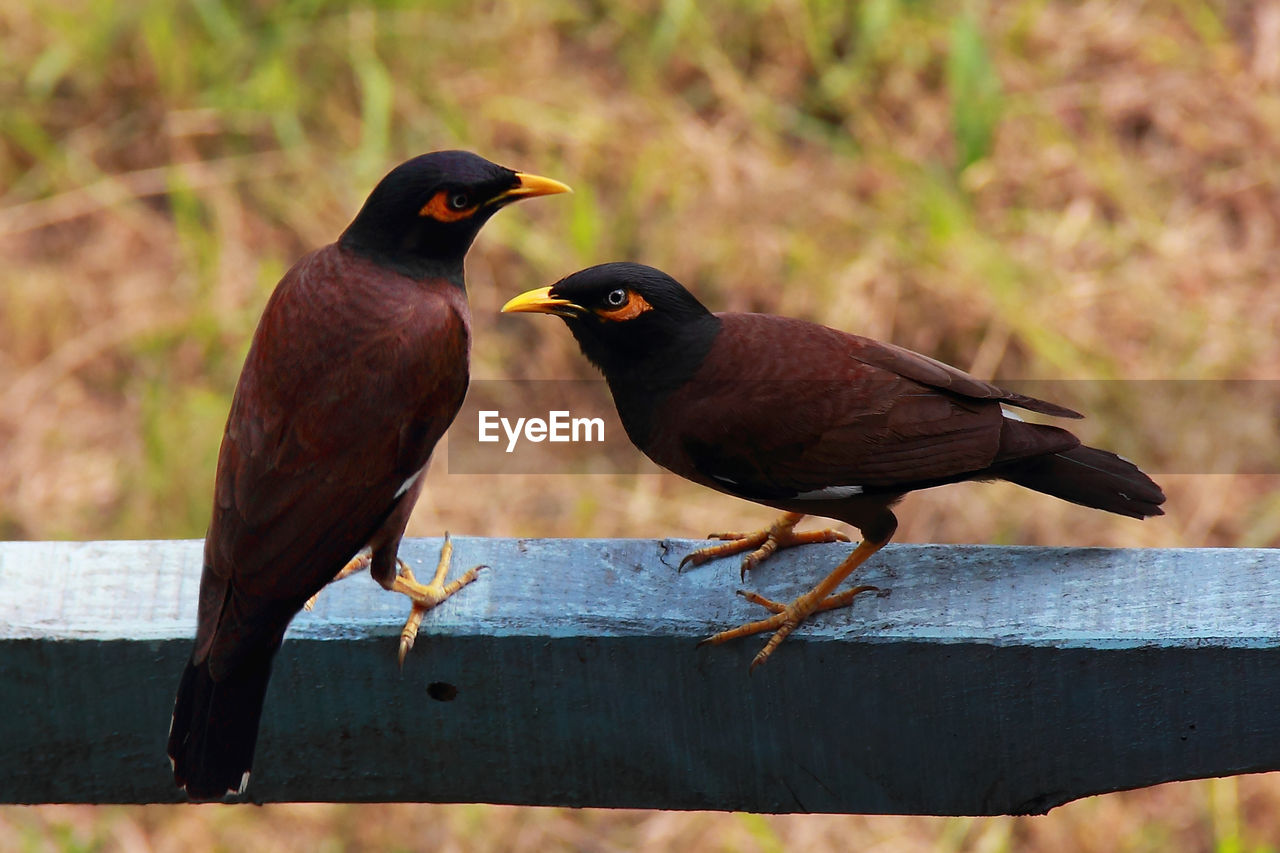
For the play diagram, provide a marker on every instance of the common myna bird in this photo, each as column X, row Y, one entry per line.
column 812, row 421
column 358, row 366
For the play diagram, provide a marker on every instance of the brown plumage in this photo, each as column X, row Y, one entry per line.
column 358, row 366
column 812, row 421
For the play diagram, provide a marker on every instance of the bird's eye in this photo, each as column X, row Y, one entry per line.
column 459, row 201
column 616, row 298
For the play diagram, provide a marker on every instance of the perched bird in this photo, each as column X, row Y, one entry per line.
column 358, row 366
column 811, row 421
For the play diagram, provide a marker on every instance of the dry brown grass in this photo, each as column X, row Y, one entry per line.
column 160, row 169
column 1176, row 817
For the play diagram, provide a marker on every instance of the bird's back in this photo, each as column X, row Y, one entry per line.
column 353, row 376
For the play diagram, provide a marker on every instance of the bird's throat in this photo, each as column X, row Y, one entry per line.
column 641, row 379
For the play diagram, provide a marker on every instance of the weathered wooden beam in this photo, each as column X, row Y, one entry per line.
column 984, row 680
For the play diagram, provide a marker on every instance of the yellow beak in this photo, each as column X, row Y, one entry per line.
column 539, row 301
column 530, row 186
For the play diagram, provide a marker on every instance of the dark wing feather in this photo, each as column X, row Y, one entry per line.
column 936, row 374
column 314, row 455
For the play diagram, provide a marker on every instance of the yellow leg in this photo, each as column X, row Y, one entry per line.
column 786, row 617
column 425, row 597
column 781, row 534
column 358, row 563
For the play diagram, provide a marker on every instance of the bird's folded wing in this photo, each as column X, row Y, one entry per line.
column 316, row 458
column 830, row 410
column 936, row 374
column 878, row 436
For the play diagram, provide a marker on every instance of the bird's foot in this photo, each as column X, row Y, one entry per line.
column 785, row 618
column 358, row 563
column 762, row 543
column 427, row 596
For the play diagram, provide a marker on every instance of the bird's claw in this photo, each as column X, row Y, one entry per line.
column 785, row 619
column 762, row 544
column 735, row 543
column 427, row 596
column 358, row 563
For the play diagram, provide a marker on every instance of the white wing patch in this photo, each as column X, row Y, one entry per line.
column 408, row 484
column 830, row 493
column 1010, row 415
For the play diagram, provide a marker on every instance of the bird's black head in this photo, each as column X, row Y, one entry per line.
column 628, row 319
column 421, row 218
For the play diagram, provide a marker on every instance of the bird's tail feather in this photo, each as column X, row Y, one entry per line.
column 215, row 728
column 1090, row 477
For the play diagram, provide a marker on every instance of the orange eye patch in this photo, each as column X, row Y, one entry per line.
column 438, row 208
column 634, row 307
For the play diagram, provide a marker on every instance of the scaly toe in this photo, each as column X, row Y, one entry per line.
column 757, row 598
column 746, row 630
column 409, row 633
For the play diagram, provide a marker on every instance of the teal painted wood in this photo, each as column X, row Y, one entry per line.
column 984, row 680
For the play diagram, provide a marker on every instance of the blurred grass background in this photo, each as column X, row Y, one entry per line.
column 1025, row 189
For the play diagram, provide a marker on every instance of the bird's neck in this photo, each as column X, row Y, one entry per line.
column 643, row 379
column 421, row 251
column 418, row 267
column 652, row 356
